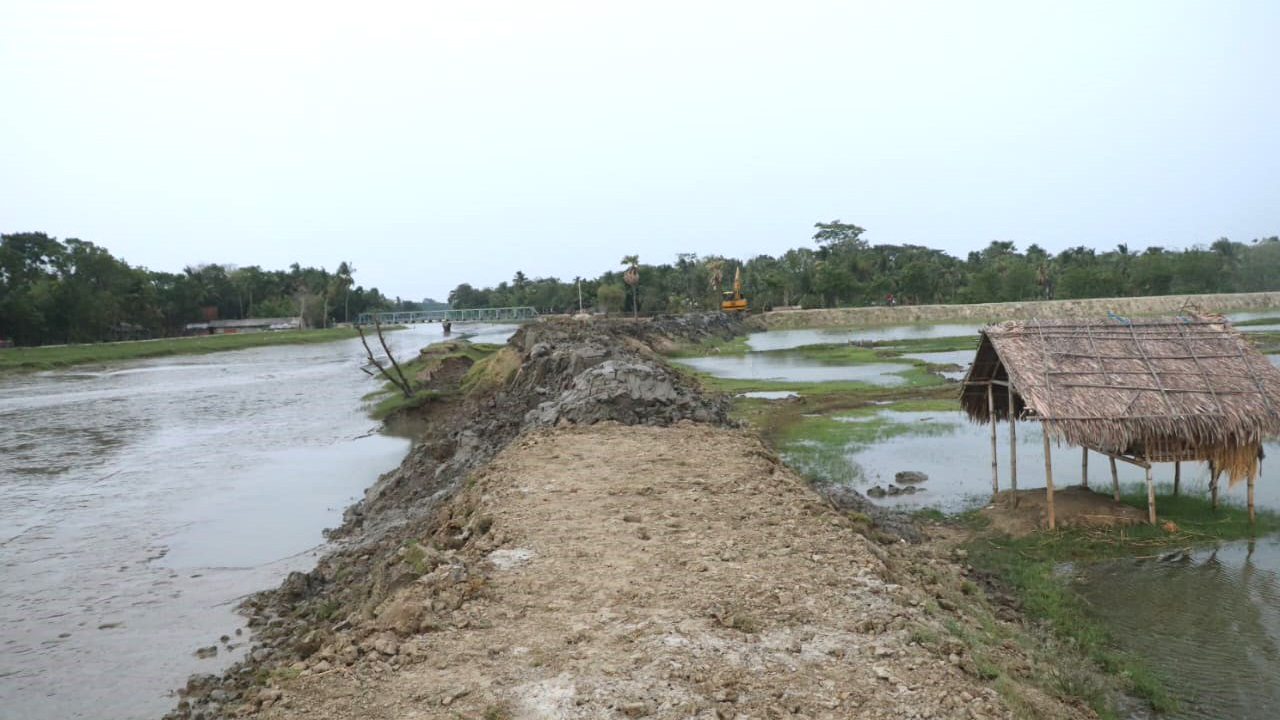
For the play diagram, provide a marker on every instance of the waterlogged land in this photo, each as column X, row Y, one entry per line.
column 49, row 357
column 887, row 402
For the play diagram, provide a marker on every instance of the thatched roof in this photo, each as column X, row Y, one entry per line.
column 1178, row 388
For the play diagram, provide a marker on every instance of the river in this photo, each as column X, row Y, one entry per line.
column 143, row 499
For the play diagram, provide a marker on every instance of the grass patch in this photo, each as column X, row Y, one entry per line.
column 736, row 345
column 492, row 371
column 50, row 357
column 389, row 399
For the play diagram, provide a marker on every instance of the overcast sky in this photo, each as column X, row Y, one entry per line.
column 433, row 143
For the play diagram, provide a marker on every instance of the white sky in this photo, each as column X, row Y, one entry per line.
column 434, row 143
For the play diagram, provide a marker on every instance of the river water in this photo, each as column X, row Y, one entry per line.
column 143, row 499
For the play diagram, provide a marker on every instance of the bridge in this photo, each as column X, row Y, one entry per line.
column 502, row 314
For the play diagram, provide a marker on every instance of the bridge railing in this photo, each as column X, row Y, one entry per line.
column 502, row 314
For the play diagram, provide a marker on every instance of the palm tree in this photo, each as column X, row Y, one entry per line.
column 632, row 277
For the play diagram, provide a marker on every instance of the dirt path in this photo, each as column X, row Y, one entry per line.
column 611, row 571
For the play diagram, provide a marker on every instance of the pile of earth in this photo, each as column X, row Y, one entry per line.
column 558, row 372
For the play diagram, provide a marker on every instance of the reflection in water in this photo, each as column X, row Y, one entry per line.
column 785, row 339
column 142, row 499
column 794, row 367
column 956, row 455
column 1209, row 620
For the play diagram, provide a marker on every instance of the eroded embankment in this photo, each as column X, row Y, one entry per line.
column 990, row 312
column 586, row 536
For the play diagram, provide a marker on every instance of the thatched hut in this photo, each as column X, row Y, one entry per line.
column 1136, row 390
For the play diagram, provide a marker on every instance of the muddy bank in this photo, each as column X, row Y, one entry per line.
column 990, row 312
column 583, row 533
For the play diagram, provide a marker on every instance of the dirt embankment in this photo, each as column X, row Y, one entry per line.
column 990, row 312
column 591, row 538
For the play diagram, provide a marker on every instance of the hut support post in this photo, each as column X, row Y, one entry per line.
column 1084, row 467
column 1177, row 476
column 1250, row 499
column 1151, row 497
column 1213, row 484
column 1115, row 479
column 1048, row 478
column 1013, row 450
column 991, row 410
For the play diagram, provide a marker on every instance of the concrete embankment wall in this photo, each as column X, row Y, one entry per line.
column 990, row 312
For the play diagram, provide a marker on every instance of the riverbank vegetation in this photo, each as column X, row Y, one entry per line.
column 441, row 369
column 51, row 357
column 72, row 291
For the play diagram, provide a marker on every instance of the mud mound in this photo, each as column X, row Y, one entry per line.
column 563, row 582
column 563, row 372
column 1020, row 512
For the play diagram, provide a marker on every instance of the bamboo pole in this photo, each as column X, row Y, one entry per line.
column 1177, row 476
column 1048, row 478
column 1213, row 484
column 991, row 412
column 1151, row 498
column 1084, row 467
column 1115, row 479
column 1013, row 451
column 1250, row 499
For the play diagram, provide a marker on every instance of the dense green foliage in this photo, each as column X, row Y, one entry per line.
column 73, row 291
column 844, row 270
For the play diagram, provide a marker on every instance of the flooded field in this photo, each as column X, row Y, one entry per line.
column 1209, row 619
column 786, row 339
column 795, row 368
column 143, row 499
column 956, row 455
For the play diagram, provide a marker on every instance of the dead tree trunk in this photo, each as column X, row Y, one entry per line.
column 401, row 382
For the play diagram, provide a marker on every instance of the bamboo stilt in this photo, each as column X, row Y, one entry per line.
column 1084, row 467
column 1115, row 479
column 1250, row 499
column 995, row 477
column 1151, row 497
column 1013, row 449
column 1048, row 479
column 1177, row 476
column 1213, row 484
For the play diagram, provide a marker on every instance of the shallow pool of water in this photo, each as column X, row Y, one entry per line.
column 770, row 394
column 956, row 455
column 962, row 358
column 785, row 339
column 1209, row 620
column 794, row 367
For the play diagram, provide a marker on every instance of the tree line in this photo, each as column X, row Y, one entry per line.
column 54, row 291
column 841, row 270
column 71, row 291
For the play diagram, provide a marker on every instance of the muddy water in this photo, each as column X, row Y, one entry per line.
column 1208, row 619
column 143, row 499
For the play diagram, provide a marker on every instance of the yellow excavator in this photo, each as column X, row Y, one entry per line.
column 733, row 301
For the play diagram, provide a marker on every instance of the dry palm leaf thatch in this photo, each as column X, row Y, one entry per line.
column 1161, row 389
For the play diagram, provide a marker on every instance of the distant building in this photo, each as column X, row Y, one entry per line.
column 221, row 327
